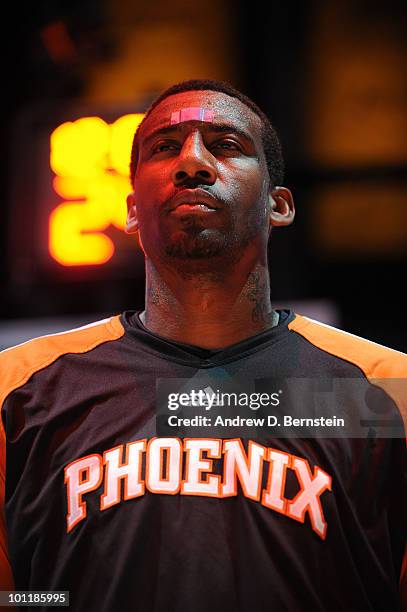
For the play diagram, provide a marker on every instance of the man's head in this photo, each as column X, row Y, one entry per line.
column 206, row 167
column 270, row 140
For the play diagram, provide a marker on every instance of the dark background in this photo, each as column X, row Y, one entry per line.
column 331, row 76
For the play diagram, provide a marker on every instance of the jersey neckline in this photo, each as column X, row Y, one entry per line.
column 194, row 355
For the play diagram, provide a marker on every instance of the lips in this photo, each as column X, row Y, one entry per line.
column 198, row 199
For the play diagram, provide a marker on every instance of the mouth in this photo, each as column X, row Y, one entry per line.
column 193, row 200
column 188, row 207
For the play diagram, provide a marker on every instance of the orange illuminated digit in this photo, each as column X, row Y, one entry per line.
column 90, row 159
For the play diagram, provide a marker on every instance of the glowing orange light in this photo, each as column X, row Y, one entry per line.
column 90, row 159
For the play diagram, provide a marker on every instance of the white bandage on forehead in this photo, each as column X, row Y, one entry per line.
column 197, row 113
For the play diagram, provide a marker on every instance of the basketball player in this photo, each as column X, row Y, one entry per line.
column 102, row 501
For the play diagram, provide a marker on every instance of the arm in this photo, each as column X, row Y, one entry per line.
column 6, row 575
column 403, row 583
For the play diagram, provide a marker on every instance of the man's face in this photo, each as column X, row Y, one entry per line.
column 201, row 187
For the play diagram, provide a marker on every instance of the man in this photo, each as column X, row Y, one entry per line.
column 128, row 508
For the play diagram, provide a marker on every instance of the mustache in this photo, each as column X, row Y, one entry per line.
column 168, row 203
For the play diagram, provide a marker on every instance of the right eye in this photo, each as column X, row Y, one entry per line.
column 162, row 147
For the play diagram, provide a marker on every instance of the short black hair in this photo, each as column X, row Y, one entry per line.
column 270, row 140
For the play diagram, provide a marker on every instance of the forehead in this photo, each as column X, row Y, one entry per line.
column 225, row 108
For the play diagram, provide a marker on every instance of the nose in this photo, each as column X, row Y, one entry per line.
column 194, row 162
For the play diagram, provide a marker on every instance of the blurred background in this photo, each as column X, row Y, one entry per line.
column 77, row 77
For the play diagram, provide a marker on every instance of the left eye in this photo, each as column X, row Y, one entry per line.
column 225, row 144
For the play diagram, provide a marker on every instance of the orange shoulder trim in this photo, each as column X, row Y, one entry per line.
column 383, row 366
column 17, row 365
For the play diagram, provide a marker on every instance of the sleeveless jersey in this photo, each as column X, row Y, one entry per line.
column 98, row 502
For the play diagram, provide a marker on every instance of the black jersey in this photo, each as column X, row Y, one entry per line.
column 101, row 503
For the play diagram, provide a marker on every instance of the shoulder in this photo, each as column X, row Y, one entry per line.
column 19, row 363
column 383, row 367
column 375, row 360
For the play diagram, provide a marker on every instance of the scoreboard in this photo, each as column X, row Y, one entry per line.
column 70, row 179
column 90, row 162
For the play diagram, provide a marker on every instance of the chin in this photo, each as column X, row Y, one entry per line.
column 198, row 245
column 209, row 252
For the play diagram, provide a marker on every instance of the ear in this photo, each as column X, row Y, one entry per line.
column 282, row 210
column 131, row 221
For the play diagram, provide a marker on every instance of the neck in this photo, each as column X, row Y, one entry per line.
column 211, row 309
